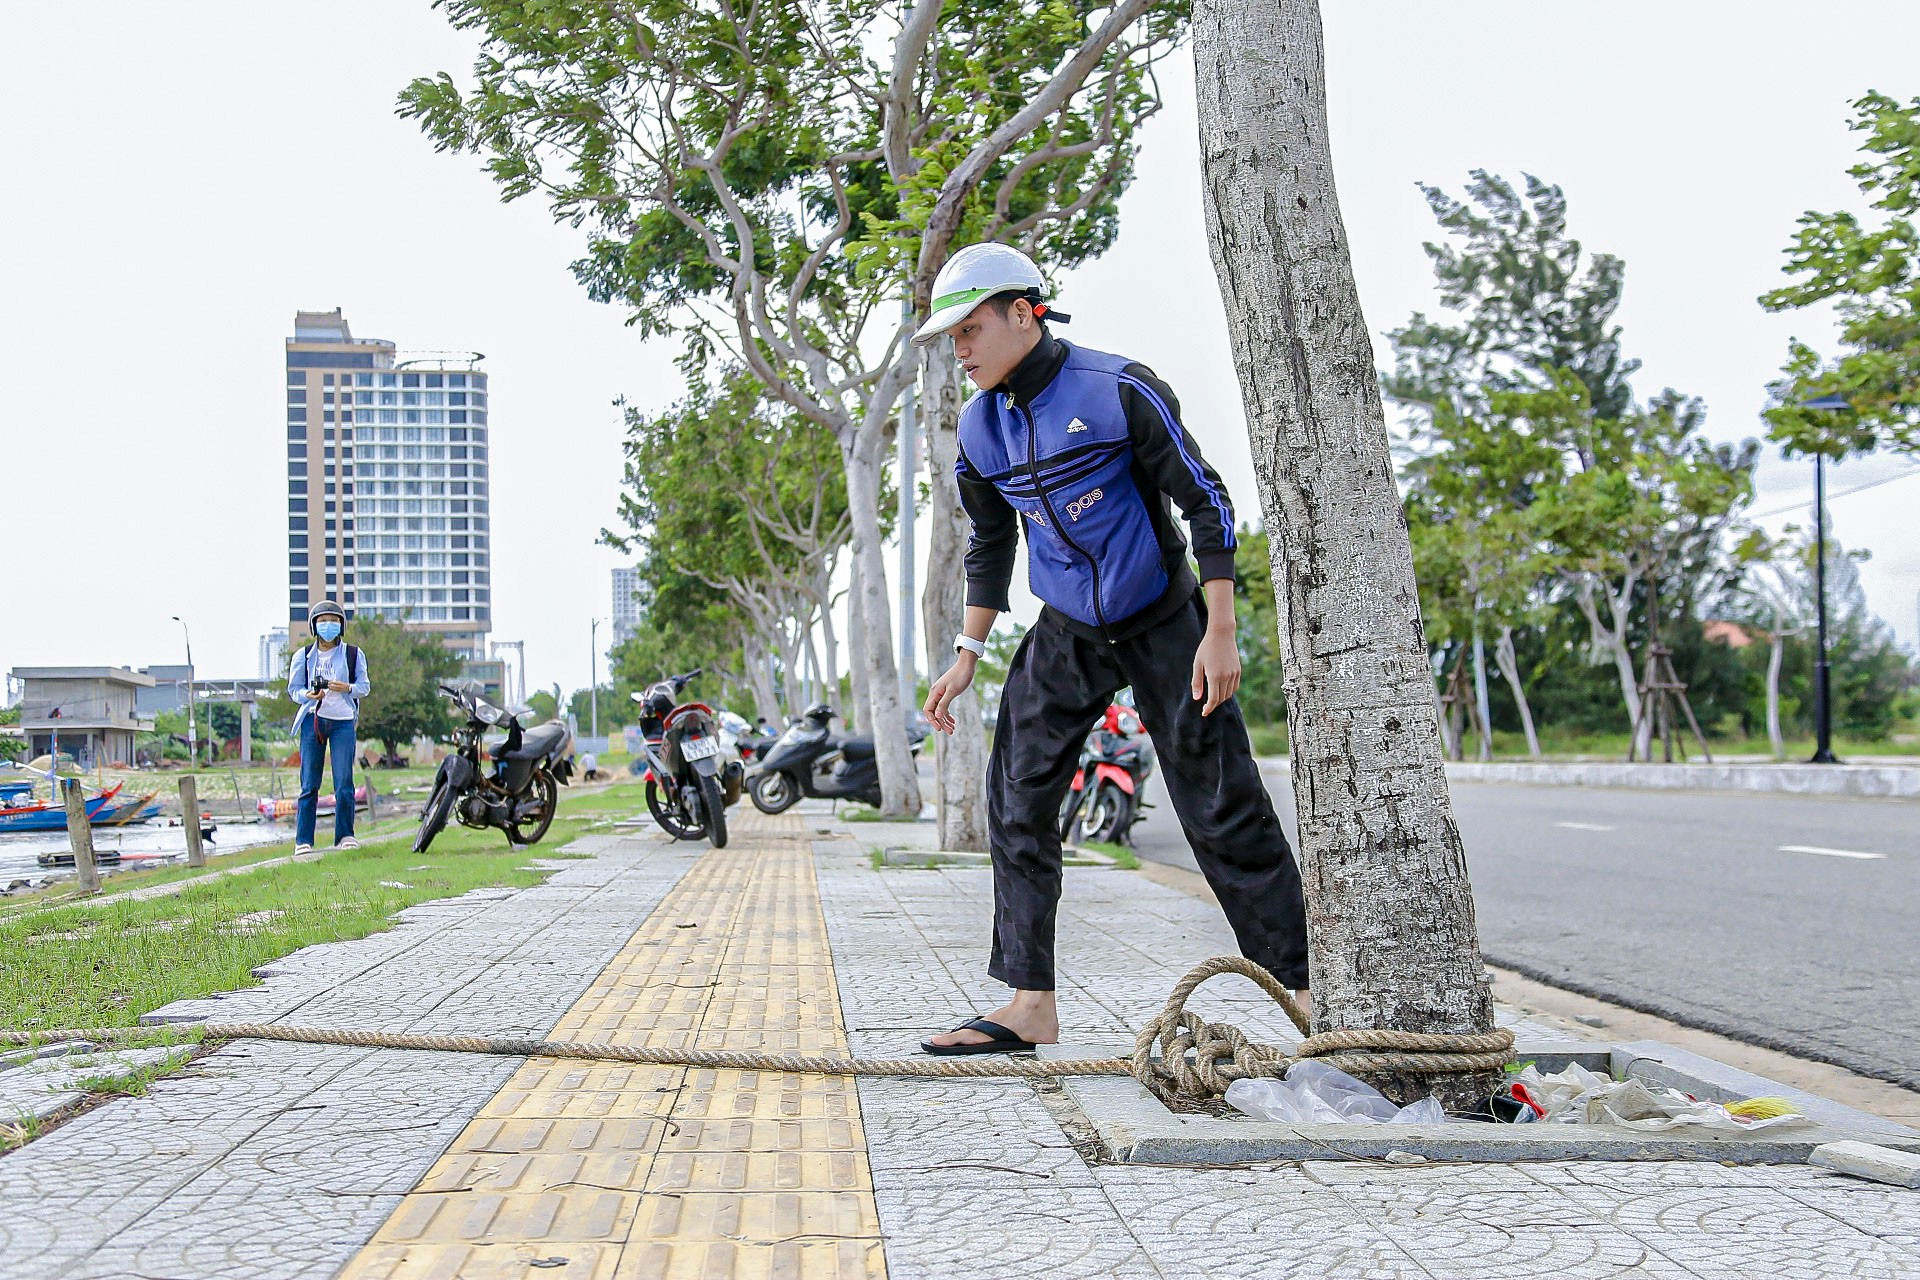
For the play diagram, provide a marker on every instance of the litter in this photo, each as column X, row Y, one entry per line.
column 1315, row 1093
column 1579, row 1096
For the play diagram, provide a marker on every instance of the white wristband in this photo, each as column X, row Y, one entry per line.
column 978, row 648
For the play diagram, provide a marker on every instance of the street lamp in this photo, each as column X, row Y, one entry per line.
column 1822, row 684
column 193, row 735
column 593, row 680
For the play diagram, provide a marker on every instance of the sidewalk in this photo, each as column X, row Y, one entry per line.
column 269, row 1160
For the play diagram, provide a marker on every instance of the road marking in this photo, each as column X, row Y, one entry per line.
column 1830, row 853
column 1582, row 826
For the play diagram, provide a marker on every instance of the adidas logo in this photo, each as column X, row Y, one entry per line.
column 1076, row 425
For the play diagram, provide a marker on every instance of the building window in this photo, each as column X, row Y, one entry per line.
column 409, row 379
column 389, row 380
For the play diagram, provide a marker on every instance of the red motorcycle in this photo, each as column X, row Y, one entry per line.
column 1106, row 799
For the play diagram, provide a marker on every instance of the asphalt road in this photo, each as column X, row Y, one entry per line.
column 1695, row 906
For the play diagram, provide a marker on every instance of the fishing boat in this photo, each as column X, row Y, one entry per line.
column 138, row 809
column 21, row 812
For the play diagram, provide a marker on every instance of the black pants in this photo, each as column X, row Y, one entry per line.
column 1057, row 686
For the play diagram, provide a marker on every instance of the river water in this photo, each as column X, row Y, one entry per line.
column 19, row 852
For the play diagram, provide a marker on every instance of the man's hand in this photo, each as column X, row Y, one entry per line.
column 948, row 687
column 1216, row 668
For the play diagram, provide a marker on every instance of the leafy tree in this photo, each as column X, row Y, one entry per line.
column 224, row 719
column 1867, row 270
column 739, row 493
column 1476, row 549
column 748, row 177
column 405, row 670
column 545, row 706
column 1527, row 301
column 1644, row 502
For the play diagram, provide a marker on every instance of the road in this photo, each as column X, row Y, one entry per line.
column 1785, row 921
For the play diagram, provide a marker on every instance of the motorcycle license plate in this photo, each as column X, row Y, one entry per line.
column 699, row 748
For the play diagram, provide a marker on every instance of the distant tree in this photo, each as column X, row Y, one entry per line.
column 1643, row 505
column 545, row 706
column 1477, row 550
column 224, row 719
column 405, row 669
column 1527, row 303
column 1868, row 271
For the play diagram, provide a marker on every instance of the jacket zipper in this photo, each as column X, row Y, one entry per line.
column 1033, row 470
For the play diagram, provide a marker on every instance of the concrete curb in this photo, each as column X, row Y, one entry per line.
column 1883, row 781
column 1136, row 1128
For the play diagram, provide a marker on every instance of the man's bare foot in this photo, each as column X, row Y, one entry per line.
column 1032, row 1015
column 1304, row 998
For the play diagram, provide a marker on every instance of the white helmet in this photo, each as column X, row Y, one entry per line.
column 970, row 277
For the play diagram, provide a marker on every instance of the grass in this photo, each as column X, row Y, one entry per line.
column 864, row 813
column 1123, row 858
column 107, row 960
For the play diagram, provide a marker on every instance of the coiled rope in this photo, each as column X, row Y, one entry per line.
column 1196, row 1059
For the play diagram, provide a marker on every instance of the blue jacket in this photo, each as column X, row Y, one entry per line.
column 1087, row 451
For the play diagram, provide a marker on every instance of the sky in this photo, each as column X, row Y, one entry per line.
column 183, row 178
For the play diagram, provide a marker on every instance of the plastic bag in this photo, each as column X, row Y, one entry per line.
column 1315, row 1093
column 1578, row 1096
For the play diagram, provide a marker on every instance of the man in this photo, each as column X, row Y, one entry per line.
column 1086, row 451
column 328, row 679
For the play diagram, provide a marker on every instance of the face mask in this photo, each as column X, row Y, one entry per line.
column 328, row 631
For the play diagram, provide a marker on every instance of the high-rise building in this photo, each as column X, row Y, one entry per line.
column 386, row 484
column 272, row 646
column 626, row 603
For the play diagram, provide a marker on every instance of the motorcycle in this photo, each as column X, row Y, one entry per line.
column 521, row 794
column 809, row 761
column 692, row 773
column 751, row 741
column 1114, row 765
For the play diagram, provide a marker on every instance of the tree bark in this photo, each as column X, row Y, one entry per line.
column 1484, row 712
column 873, row 648
column 961, row 788
column 856, row 712
column 1503, row 657
column 1390, row 911
column 1774, row 655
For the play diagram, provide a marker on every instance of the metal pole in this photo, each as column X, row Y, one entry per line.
column 909, row 477
column 193, row 735
column 1822, row 687
column 593, row 679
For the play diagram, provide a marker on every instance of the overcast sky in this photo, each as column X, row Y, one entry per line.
column 183, row 178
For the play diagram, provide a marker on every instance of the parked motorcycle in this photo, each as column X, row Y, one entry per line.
column 692, row 775
column 1115, row 761
column 751, row 741
column 520, row 795
column 809, row 761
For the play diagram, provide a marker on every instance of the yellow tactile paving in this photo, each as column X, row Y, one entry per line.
column 579, row 1169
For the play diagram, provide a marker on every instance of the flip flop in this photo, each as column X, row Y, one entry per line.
column 1004, row 1041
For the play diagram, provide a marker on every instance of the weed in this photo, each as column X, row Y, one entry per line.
column 1123, row 858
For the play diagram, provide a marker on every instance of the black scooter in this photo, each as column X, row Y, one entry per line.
column 809, row 761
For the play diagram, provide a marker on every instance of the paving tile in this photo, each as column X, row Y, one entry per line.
column 671, row 1171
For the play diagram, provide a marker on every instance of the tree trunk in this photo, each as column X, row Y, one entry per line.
column 828, row 676
column 1614, row 641
column 1773, row 692
column 1480, row 705
column 1390, row 911
column 873, row 650
column 961, row 788
column 857, row 710
column 1503, row 657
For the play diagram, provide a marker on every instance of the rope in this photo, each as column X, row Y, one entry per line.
column 1196, row 1059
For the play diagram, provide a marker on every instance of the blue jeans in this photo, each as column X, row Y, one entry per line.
column 338, row 735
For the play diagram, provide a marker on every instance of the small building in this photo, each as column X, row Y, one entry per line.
column 91, row 713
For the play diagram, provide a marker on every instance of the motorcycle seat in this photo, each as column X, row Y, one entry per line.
column 539, row 743
column 857, row 748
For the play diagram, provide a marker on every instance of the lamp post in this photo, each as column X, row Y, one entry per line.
column 593, row 680
column 193, row 734
column 1822, row 683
